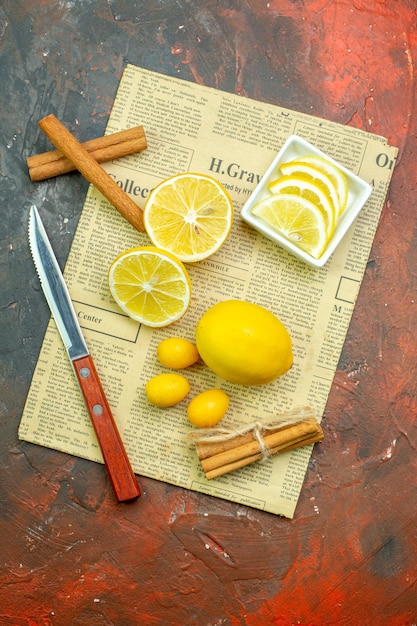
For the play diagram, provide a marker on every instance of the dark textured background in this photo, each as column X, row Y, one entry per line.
column 69, row 554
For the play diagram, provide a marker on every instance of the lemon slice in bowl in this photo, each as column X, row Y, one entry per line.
column 313, row 190
column 150, row 285
column 297, row 219
column 190, row 215
column 336, row 175
column 300, row 167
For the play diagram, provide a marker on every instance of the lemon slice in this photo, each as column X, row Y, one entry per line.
column 150, row 285
column 189, row 215
column 312, row 190
column 335, row 174
column 301, row 167
column 297, row 219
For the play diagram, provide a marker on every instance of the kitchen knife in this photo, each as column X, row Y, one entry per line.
column 56, row 292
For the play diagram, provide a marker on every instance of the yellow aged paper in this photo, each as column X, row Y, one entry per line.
column 195, row 128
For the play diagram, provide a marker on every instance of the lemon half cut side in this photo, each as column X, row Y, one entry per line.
column 150, row 285
column 190, row 215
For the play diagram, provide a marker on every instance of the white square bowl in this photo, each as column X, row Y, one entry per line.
column 294, row 148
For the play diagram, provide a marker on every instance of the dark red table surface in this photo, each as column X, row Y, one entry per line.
column 69, row 554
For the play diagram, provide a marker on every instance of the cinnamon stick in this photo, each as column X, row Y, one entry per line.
column 91, row 170
column 220, row 457
column 102, row 149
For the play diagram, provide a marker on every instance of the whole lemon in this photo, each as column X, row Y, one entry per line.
column 167, row 390
column 244, row 343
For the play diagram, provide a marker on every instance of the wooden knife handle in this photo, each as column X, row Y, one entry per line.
column 114, row 454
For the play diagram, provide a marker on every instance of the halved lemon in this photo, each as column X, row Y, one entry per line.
column 312, row 190
column 335, row 174
column 297, row 219
column 150, row 285
column 190, row 215
column 301, row 167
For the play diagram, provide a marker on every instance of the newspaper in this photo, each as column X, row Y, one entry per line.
column 190, row 127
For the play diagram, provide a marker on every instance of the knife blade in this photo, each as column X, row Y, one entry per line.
column 57, row 295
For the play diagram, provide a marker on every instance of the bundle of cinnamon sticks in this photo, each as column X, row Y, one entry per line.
column 221, row 450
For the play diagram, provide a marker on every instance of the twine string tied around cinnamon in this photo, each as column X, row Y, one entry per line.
column 225, row 448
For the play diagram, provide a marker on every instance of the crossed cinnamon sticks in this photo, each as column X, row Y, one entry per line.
column 221, row 451
column 85, row 157
column 107, row 148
